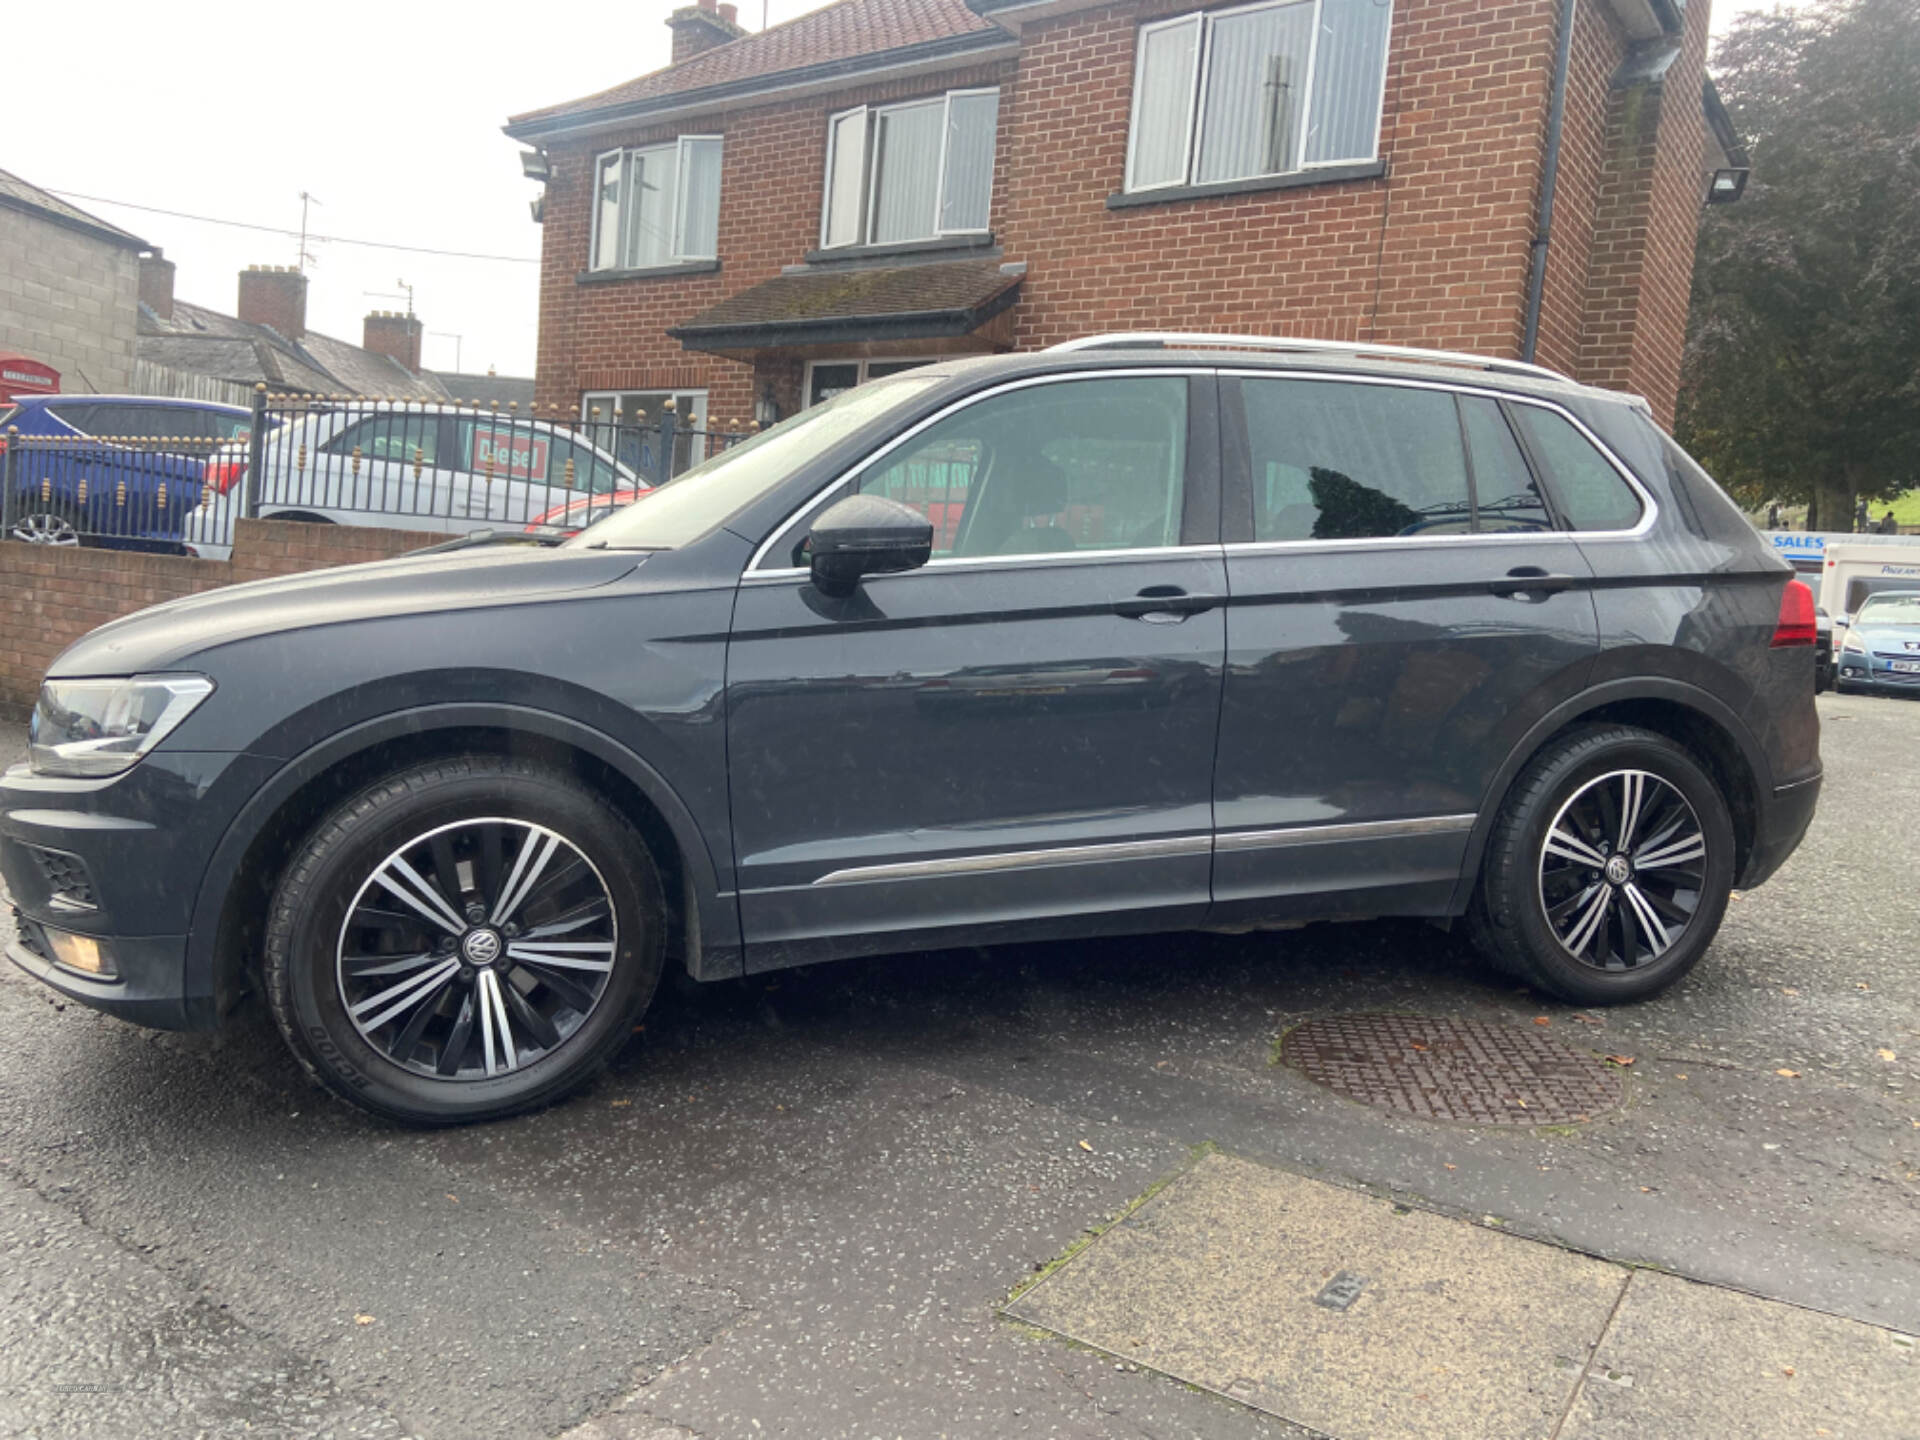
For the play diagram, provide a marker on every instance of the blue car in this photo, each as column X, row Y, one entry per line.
column 1882, row 649
column 123, row 471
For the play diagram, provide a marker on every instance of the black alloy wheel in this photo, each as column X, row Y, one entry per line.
column 476, row 948
column 1608, row 868
column 1622, row 870
column 467, row 939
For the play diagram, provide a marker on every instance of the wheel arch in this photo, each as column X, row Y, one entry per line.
column 230, row 906
column 1705, row 725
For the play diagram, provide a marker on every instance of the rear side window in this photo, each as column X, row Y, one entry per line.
column 1335, row 461
column 1508, row 498
column 115, row 421
column 80, row 417
column 1590, row 493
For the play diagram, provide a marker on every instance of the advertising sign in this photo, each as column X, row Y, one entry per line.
column 508, row 453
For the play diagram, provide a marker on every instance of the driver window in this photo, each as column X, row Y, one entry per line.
column 1079, row 465
column 1336, row 461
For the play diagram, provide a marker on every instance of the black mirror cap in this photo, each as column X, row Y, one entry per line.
column 866, row 535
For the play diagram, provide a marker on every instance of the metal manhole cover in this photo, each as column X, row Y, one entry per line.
column 1462, row 1070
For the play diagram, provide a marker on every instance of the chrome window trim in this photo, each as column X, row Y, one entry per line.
column 1649, row 507
column 1231, row 840
column 787, row 572
column 1020, row 860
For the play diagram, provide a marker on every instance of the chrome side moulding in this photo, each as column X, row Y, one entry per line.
column 1329, row 834
column 1020, row 860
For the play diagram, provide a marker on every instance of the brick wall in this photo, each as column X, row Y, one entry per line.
column 68, row 299
column 52, row 595
column 611, row 335
column 1640, row 275
column 1435, row 253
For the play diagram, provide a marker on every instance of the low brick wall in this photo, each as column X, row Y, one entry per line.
column 52, row 595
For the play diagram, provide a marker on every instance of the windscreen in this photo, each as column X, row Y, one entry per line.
column 689, row 506
column 1888, row 609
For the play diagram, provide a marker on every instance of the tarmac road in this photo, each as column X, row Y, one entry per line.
column 795, row 1204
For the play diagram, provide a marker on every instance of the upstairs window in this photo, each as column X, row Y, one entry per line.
column 1258, row 90
column 915, row 171
column 659, row 205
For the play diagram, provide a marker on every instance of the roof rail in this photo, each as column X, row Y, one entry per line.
column 1190, row 340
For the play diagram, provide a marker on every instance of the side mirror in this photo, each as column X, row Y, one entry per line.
column 866, row 535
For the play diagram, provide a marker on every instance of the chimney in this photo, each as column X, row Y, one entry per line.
column 703, row 27
column 274, row 295
column 389, row 333
column 156, row 284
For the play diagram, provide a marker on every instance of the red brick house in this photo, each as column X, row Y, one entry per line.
column 777, row 215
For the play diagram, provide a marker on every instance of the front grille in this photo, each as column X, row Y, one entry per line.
column 67, row 878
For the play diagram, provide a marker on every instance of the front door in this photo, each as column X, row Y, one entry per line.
column 1020, row 732
column 1404, row 609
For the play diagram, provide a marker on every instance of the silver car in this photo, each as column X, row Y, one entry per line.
column 440, row 468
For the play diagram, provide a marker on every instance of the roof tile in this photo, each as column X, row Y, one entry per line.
column 844, row 31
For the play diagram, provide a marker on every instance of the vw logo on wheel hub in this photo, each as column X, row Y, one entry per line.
column 481, row 947
column 1619, row 870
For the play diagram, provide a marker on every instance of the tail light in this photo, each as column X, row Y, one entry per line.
column 223, row 474
column 1797, row 625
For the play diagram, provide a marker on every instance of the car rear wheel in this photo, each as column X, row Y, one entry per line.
column 1609, row 867
column 47, row 527
column 467, row 939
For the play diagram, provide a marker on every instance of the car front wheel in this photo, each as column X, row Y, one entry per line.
column 467, row 939
column 1609, row 867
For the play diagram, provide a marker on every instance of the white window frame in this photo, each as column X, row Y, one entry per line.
column 870, row 127
column 1197, row 99
column 806, row 378
column 678, row 146
column 609, row 401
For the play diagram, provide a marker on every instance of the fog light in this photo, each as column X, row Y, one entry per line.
column 84, row 953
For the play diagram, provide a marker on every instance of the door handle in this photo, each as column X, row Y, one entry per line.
column 1164, row 605
column 1529, row 580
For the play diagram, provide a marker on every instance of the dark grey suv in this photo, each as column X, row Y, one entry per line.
column 1142, row 633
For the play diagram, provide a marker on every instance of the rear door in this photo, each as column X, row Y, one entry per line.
column 1403, row 609
column 1018, row 735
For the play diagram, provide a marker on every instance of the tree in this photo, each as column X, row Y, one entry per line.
column 1802, row 380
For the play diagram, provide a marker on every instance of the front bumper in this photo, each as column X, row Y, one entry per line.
column 1858, row 674
column 123, row 860
column 150, row 988
column 1783, row 824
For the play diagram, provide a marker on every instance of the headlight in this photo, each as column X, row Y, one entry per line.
column 101, row 727
column 1852, row 646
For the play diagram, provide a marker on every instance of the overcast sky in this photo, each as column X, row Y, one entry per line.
column 388, row 113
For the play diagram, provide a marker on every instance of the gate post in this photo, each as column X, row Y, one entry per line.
column 9, row 480
column 256, row 454
column 666, row 442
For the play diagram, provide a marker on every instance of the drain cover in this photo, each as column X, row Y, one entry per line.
column 1464, row 1070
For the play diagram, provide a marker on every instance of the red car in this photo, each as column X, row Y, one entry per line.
column 583, row 510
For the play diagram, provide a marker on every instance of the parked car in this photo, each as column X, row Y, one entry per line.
column 1186, row 652
column 409, row 467
column 1881, row 651
column 575, row 515
column 135, row 489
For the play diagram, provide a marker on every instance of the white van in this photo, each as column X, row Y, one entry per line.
column 1863, row 566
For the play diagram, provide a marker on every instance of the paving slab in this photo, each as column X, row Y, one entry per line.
column 1684, row 1359
column 1336, row 1310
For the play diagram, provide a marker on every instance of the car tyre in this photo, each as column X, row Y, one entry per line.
column 1564, row 906
column 558, row 949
